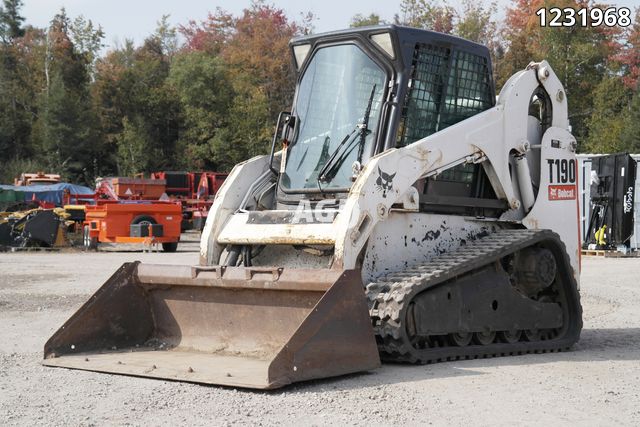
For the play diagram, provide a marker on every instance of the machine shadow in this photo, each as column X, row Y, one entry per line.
column 594, row 345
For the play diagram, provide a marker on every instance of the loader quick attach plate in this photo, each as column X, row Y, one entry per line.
column 247, row 327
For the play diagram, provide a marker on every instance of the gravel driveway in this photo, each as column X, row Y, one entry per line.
column 597, row 383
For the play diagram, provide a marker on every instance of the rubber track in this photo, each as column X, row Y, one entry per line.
column 390, row 297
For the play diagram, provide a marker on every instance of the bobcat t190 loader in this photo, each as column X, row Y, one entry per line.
column 409, row 216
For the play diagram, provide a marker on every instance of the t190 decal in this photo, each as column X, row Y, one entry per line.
column 562, row 171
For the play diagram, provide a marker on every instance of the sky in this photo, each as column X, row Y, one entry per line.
column 136, row 19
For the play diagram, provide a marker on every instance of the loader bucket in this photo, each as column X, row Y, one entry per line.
column 248, row 327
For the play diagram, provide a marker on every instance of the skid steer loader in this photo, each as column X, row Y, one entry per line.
column 410, row 216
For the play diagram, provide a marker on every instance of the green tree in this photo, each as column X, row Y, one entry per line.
column 630, row 135
column 254, row 48
column 360, row 20
column 428, row 14
column 157, row 101
column 249, row 130
column 579, row 57
column 131, row 87
column 110, row 94
column 606, row 123
column 12, row 168
column 61, row 129
column 134, row 147
column 10, row 20
column 476, row 22
column 203, row 88
column 14, row 119
column 65, row 126
column 166, row 37
column 87, row 40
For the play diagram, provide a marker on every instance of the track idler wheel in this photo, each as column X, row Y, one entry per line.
column 533, row 335
column 484, row 338
column 510, row 337
column 460, row 339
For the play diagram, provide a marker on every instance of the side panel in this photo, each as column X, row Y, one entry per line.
column 406, row 239
column 226, row 202
column 556, row 207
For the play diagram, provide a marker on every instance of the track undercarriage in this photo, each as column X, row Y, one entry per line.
column 511, row 292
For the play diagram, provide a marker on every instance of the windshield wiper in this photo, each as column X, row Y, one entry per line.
column 323, row 175
column 330, row 169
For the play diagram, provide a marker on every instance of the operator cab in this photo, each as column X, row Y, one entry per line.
column 362, row 91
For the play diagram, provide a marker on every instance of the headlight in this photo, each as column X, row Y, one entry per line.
column 383, row 40
column 300, row 52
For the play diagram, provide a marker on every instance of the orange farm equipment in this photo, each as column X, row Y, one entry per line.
column 195, row 190
column 119, row 188
column 133, row 222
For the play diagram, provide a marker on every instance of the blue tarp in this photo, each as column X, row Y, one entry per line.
column 52, row 193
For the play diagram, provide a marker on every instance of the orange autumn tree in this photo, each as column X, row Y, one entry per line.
column 521, row 35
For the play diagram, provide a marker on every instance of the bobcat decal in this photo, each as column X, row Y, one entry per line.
column 384, row 182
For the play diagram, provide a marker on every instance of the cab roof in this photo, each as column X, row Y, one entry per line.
column 404, row 39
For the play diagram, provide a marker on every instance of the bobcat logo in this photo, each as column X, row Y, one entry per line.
column 384, row 182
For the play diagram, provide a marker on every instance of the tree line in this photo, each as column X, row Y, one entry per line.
column 205, row 95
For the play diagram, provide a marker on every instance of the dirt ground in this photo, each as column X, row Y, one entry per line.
column 598, row 383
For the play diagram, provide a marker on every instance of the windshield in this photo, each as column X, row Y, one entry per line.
column 333, row 98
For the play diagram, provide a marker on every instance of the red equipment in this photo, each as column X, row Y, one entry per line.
column 191, row 185
column 133, row 222
column 117, row 188
column 195, row 190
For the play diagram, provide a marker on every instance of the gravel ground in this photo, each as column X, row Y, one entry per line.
column 597, row 383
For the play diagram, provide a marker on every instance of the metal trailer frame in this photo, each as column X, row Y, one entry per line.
column 584, row 192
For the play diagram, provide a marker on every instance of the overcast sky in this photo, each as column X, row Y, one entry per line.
column 137, row 19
